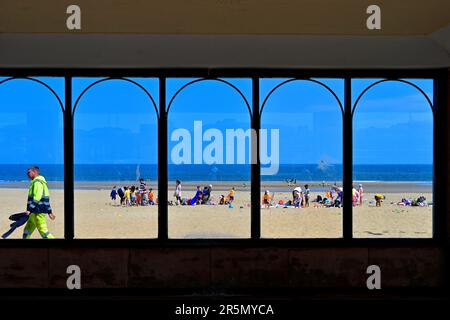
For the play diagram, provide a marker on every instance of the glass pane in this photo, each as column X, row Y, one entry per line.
column 301, row 176
column 393, row 160
column 115, row 145
column 31, row 132
column 209, row 144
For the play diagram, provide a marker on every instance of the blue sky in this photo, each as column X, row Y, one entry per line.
column 115, row 121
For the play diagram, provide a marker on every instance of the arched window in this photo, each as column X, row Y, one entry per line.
column 302, row 120
column 392, row 158
column 115, row 145
column 31, row 134
column 209, row 142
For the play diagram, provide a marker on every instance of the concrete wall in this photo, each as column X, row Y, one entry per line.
column 222, row 268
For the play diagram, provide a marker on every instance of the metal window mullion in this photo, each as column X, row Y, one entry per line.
column 163, row 228
column 347, row 161
column 68, row 162
column 255, row 164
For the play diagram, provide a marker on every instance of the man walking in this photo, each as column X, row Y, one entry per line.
column 38, row 205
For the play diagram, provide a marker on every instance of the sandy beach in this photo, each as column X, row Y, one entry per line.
column 96, row 216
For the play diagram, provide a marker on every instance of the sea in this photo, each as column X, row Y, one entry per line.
column 421, row 173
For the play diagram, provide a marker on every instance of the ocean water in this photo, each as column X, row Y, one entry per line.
column 302, row 172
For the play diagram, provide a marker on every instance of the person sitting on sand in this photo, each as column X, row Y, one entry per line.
column 297, row 195
column 297, row 199
column 327, row 202
column 420, row 202
column 266, row 199
column 230, row 197
column 177, row 193
column 151, row 197
column 144, row 200
column 336, row 197
column 197, row 198
column 318, row 201
column 333, row 194
column 113, row 194
column 379, row 199
column 296, row 190
column 206, row 194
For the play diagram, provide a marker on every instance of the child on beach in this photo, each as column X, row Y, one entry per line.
column 361, row 192
column 127, row 195
column 306, row 195
column 138, row 198
column 133, row 196
column 266, row 199
column 151, row 197
column 355, row 196
column 113, row 194
column 230, row 197
column 121, row 193
column 177, row 193
column 379, row 199
column 145, row 201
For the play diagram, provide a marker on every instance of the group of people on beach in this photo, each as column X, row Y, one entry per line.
column 332, row 198
column 202, row 196
column 134, row 196
column 301, row 198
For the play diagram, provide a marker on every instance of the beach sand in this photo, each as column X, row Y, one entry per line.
column 97, row 217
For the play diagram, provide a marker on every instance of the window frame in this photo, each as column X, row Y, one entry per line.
column 440, row 93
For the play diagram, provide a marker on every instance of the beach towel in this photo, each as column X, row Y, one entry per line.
column 19, row 220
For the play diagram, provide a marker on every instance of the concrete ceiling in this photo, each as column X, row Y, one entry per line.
column 225, row 34
column 230, row 17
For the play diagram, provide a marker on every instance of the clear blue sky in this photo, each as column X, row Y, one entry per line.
column 116, row 123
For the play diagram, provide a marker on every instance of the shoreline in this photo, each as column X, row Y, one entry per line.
column 279, row 186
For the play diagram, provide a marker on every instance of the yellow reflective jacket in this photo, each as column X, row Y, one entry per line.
column 38, row 196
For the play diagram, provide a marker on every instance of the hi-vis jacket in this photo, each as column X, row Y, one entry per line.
column 39, row 196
